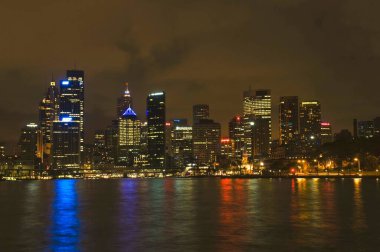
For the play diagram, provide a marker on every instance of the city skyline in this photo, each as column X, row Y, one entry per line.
column 328, row 55
column 90, row 130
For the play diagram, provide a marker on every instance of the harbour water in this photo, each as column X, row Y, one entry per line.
column 203, row 214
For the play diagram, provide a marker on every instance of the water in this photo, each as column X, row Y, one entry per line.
column 190, row 215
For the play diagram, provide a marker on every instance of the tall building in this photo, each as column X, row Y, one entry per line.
column 66, row 144
column 48, row 113
column 68, row 128
column 257, row 122
column 200, row 111
column 288, row 119
column 30, row 146
column 366, row 129
column 310, row 125
column 156, row 129
column 129, row 138
column 124, row 102
column 71, row 102
column 326, row 133
column 181, row 145
column 206, row 141
column 236, row 135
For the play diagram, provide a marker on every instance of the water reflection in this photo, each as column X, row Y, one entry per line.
column 65, row 228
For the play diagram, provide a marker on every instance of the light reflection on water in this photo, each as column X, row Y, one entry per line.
column 190, row 215
column 65, row 231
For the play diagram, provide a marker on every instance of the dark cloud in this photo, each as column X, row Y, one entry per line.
column 205, row 51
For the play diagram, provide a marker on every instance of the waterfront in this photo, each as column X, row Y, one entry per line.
column 208, row 214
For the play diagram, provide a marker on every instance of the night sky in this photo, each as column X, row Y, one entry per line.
column 200, row 51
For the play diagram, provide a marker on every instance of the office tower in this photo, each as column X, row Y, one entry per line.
column 236, row 135
column 226, row 148
column 376, row 127
column 200, row 111
column 129, row 137
column 68, row 128
column 48, row 113
column 288, row 119
column 156, row 129
column 124, row 102
column 355, row 129
column 326, row 133
column 71, row 100
column 310, row 125
column 365, row 129
column 257, row 122
column 143, row 161
column 206, row 141
column 111, row 139
column 66, row 144
column 30, row 146
column 100, row 151
column 181, row 144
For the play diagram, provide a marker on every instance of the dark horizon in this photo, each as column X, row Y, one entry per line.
column 199, row 52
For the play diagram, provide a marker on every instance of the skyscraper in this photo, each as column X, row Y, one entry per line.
column 66, row 144
column 257, row 122
column 200, row 111
column 129, row 138
column 236, row 135
column 181, row 144
column 326, row 133
column 288, row 119
column 48, row 113
column 310, row 125
column 206, row 141
column 30, row 146
column 68, row 129
column 156, row 129
column 71, row 103
column 124, row 102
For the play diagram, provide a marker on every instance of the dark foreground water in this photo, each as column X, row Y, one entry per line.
column 190, row 215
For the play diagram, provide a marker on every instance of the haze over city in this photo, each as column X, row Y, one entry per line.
column 198, row 52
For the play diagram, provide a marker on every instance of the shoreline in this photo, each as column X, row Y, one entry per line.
column 353, row 176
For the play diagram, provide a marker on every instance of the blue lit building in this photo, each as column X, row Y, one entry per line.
column 129, row 138
column 68, row 128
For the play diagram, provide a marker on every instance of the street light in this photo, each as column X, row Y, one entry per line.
column 358, row 160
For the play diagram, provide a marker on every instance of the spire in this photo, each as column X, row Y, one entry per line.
column 129, row 112
column 126, row 92
column 52, row 83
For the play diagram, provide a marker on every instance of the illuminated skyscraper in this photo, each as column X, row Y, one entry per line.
column 257, row 122
column 68, row 129
column 236, row 135
column 129, row 138
column 48, row 113
column 124, row 102
column 206, row 141
column 200, row 111
column 310, row 125
column 30, row 146
column 326, row 133
column 288, row 118
column 156, row 119
column 181, row 144
column 66, row 144
column 71, row 102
